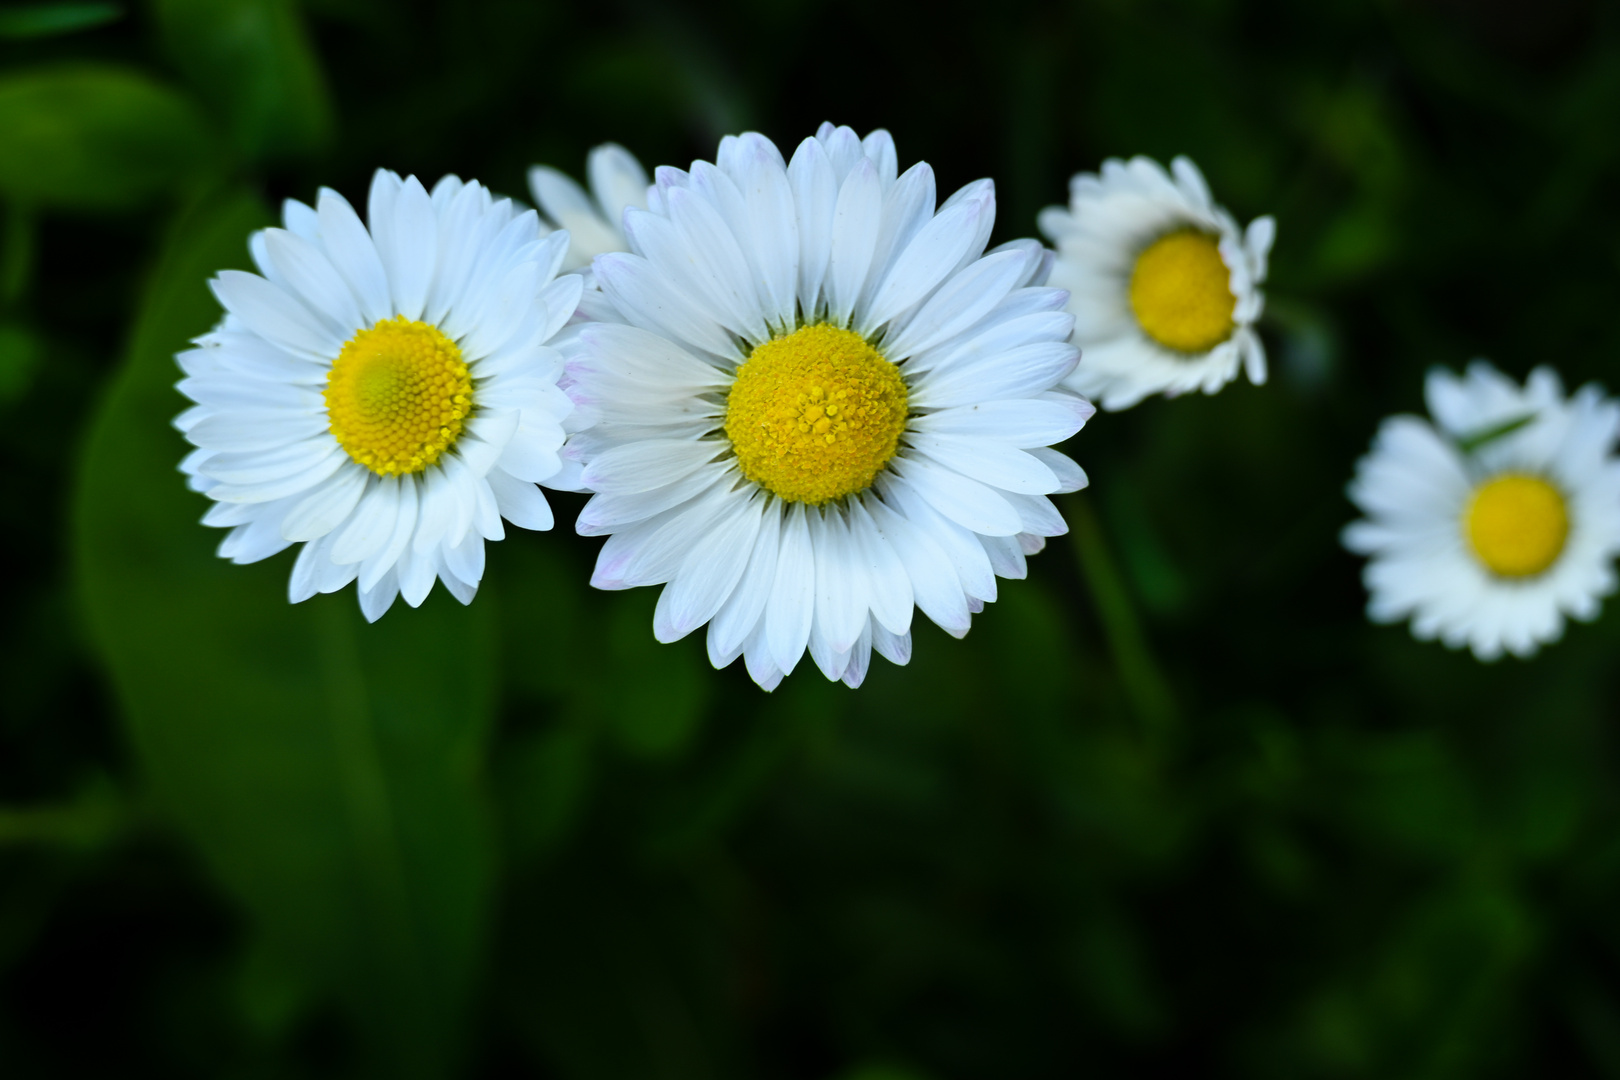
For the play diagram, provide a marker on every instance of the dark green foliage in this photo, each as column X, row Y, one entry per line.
column 1172, row 808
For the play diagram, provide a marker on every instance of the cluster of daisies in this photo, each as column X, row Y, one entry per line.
column 806, row 399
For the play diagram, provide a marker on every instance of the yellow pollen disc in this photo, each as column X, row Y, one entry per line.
column 1517, row 524
column 816, row 414
column 1181, row 292
column 397, row 395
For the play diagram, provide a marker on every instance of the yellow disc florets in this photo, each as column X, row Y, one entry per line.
column 1517, row 524
column 397, row 395
column 816, row 414
column 1181, row 292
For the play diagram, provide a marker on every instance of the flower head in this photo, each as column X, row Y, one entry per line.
column 1164, row 287
column 383, row 393
column 1489, row 525
column 820, row 404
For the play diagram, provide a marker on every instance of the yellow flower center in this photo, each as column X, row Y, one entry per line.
column 816, row 414
column 1517, row 524
column 396, row 396
column 1181, row 292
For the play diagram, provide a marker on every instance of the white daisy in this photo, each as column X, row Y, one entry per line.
column 1490, row 525
column 819, row 403
column 384, row 396
column 595, row 220
column 1163, row 285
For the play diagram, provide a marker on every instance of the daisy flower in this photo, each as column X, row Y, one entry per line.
column 1491, row 524
column 383, row 395
column 820, row 403
column 593, row 220
column 1163, row 285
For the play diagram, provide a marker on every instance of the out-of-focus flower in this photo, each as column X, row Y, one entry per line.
column 594, row 221
column 1491, row 524
column 384, row 395
column 820, row 403
column 1163, row 285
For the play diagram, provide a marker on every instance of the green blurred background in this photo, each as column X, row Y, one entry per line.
column 1172, row 808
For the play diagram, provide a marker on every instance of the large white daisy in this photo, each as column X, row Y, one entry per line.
column 1491, row 524
column 594, row 220
column 819, row 403
column 383, row 395
column 1163, row 285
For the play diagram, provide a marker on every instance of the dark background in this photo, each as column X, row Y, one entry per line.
column 1172, row 808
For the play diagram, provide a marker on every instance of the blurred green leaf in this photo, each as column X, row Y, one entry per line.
column 544, row 778
column 621, row 975
column 48, row 20
column 883, row 1071
column 19, row 355
column 94, row 137
column 252, row 63
column 657, row 712
column 328, row 771
column 94, row 816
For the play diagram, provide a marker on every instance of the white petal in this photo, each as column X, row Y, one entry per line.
column 996, row 464
column 791, row 607
column 966, row 502
column 637, row 289
column 935, row 252
column 773, row 222
column 520, row 502
column 842, row 591
column 651, row 552
column 408, row 244
column 282, row 487
column 891, row 599
column 709, row 575
column 275, row 316
column 815, row 197
column 1021, row 422
column 1021, row 372
column 416, row 576
column 617, row 180
column 375, row 601
column 372, row 524
column 406, row 512
column 645, row 465
column 311, row 275
column 960, row 302
column 907, row 206
column 856, row 217
column 241, row 430
column 879, row 147
column 327, row 507
column 503, row 309
column 714, row 257
column 934, row 581
column 745, row 608
column 466, row 559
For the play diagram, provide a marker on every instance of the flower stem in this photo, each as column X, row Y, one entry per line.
column 1139, row 674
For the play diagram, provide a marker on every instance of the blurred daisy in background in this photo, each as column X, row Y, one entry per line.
column 383, row 395
column 595, row 220
column 1491, row 524
column 1163, row 285
column 820, row 403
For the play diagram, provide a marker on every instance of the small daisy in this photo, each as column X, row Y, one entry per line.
column 383, row 395
column 820, row 403
column 1163, row 285
column 594, row 221
column 1490, row 525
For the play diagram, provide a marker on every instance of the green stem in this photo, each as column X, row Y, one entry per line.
column 1139, row 675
